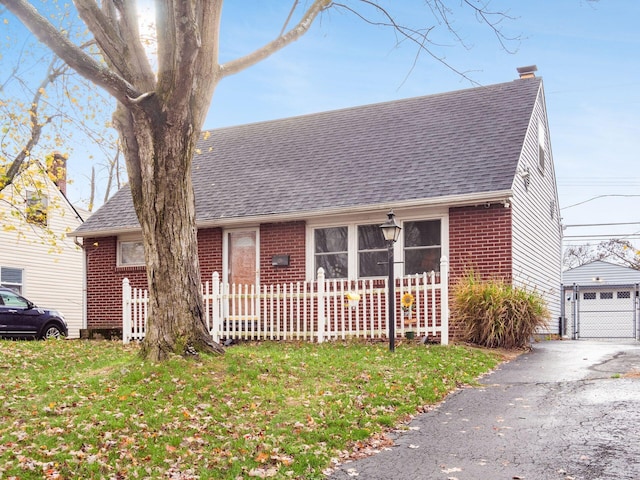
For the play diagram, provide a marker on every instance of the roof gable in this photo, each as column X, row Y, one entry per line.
column 600, row 272
column 452, row 144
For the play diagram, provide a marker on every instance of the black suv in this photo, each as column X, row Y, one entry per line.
column 20, row 318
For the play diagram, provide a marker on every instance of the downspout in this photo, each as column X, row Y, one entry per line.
column 562, row 319
column 84, row 283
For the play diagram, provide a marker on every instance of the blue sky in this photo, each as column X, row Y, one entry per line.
column 586, row 52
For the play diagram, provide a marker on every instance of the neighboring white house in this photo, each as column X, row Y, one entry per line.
column 37, row 257
column 601, row 301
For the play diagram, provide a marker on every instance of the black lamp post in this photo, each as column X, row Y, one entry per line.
column 391, row 232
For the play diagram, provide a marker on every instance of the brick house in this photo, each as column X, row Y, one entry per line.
column 469, row 175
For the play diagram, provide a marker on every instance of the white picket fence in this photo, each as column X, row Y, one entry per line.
column 313, row 311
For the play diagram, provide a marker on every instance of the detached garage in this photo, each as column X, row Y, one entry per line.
column 601, row 301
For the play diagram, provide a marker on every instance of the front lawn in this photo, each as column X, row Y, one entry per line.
column 84, row 409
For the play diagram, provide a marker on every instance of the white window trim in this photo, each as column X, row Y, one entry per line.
column 352, row 232
column 127, row 239
column 10, row 285
column 225, row 252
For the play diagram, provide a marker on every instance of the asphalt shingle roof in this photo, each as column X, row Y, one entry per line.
column 457, row 143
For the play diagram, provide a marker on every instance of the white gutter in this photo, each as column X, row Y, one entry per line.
column 448, row 201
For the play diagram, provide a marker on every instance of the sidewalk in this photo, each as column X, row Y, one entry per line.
column 568, row 410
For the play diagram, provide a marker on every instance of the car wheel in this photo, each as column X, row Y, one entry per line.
column 51, row 332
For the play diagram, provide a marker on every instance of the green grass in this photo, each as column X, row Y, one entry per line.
column 76, row 409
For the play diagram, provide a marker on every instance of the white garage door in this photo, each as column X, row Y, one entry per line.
column 607, row 313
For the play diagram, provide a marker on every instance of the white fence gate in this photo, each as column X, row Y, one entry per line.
column 314, row 311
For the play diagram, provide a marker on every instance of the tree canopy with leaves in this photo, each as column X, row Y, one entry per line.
column 161, row 107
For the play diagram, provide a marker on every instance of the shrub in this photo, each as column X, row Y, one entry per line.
column 496, row 314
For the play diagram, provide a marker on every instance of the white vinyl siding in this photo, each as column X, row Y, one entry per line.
column 536, row 230
column 52, row 273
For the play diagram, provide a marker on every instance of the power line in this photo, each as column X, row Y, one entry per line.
column 596, row 197
column 600, row 224
column 621, row 236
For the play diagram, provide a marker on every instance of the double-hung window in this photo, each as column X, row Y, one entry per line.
column 372, row 252
column 422, row 246
column 332, row 251
column 360, row 251
column 11, row 278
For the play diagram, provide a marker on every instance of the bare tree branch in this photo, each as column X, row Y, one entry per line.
column 280, row 42
column 77, row 59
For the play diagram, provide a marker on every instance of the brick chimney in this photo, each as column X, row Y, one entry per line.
column 57, row 169
column 528, row 71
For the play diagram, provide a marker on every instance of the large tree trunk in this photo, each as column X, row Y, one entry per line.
column 157, row 145
column 159, row 117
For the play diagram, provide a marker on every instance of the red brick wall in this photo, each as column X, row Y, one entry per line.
column 104, row 283
column 104, row 278
column 282, row 239
column 210, row 252
column 480, row 240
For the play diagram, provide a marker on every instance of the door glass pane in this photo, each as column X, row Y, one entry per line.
column 242, row 257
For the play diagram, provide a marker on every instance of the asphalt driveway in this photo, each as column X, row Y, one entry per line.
column 567, row 410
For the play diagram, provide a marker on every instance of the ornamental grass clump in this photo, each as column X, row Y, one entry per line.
column 495, row 314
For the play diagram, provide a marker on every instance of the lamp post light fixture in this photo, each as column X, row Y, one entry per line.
column 391, row 232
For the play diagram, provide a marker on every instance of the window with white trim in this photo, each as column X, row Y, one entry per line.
column 372, row 252
column 360, row 251
column 606, row 295
column 130, row 253
column 422, row 246
column 625, row 294
column 589, row 296
column 11, row 278
column 331, row 251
